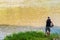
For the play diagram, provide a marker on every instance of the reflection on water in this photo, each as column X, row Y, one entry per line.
column 6, row 30
column 55, row 30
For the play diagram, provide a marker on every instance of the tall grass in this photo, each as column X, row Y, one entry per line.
column 32, row 35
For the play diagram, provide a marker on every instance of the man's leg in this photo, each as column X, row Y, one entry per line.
column 47, row 30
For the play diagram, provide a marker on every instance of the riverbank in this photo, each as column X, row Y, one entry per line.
column 6, row 30
column 31, row 35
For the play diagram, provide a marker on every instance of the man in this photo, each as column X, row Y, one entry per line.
column 48, row 25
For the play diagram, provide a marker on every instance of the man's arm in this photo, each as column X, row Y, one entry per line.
column 52, row 23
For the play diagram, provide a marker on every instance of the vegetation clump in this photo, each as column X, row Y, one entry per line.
column 31, row 35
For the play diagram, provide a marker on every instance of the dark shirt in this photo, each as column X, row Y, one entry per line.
column 48, row 23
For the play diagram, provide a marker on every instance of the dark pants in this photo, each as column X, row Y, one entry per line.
column 47, row 29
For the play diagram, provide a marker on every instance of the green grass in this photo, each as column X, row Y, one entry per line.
column 32, row 35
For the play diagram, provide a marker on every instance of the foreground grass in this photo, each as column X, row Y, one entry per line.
column 32, row 35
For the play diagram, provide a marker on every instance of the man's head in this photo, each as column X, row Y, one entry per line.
column 48, row 17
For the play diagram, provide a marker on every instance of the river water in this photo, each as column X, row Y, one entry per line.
column 6, row 30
